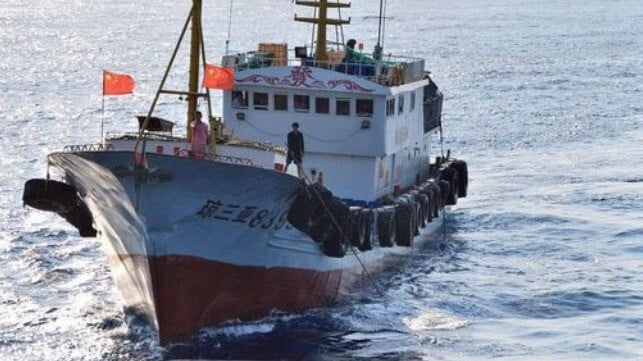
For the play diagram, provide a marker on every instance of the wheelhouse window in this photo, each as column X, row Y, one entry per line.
column 281, row 102
column 239, row 99
column 364, row 107
column 260, row 101
column 412, row 107
column 301, row 103
column 400, row 104
column 390, row 107
column 343, row 107
column 322, row 105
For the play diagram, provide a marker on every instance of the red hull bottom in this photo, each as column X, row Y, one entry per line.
column 191, row 293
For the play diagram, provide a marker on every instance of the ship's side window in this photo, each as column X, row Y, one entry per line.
column 390, row 107
column 412, row 107
column 260, row 101
column 400, row 104
column 364, row 107
column 239, row 99
column 343, row 107
column 301, row 103
column 322, row 105
column 281, row 102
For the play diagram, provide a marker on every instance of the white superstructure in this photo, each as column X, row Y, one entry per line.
column 365, row 137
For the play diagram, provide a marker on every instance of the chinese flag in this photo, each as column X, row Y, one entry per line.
column 218, row 77
column 117, row 84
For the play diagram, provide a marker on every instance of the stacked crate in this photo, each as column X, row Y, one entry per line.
column 279, row 52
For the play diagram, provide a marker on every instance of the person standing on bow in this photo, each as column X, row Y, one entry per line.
column 295, row 149
column 199, row 135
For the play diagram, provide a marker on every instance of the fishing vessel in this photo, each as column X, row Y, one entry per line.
column 195, row 238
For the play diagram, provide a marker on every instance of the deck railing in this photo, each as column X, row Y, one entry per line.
column 176, row 150
column 148, row 136
column 394, row 70
column 96, row 147
column 180, row 152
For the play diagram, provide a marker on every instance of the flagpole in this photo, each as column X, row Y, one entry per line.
column 102, row 110
column 102, row 119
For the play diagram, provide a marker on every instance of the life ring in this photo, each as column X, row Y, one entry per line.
column 386, row 226
column 368, row 217
column 404, row 221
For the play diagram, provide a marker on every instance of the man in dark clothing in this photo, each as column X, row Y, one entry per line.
column 295, row 148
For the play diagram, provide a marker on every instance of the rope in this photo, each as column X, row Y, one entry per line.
column 339, row 140
column 263, row 131
column 368, row 274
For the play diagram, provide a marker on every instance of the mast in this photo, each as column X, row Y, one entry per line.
column 196, row 51
column 195, row 54
column 322, row 20
column 377, row 53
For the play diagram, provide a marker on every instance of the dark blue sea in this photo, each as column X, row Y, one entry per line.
column 542, row 261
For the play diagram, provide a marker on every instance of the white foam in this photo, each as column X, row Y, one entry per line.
column 434, row 321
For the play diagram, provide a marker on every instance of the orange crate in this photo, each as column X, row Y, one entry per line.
column 278, row 51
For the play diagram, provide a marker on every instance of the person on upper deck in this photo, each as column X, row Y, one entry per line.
column 199, row 134
column 295, row 148
column 354, row 56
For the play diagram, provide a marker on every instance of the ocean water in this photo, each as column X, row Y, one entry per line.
column 543, row 259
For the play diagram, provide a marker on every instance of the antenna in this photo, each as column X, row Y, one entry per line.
column 377, row 53
column 227, row 40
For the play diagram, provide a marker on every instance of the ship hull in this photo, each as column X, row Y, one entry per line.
column 195, row 292
column 193, row 243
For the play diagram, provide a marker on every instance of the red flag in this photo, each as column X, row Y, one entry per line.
column 117, row 84
column 218, row 77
